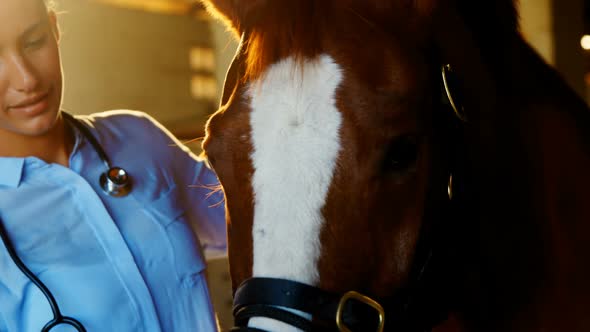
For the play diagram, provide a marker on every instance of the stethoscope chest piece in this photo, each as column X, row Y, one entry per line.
column 115, row 182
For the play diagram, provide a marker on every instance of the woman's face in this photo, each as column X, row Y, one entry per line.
column 30, row 68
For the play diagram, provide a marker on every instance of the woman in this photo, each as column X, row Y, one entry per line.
column 116, row 256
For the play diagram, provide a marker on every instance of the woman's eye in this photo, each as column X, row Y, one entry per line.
column 401, row 155
column 36, row 42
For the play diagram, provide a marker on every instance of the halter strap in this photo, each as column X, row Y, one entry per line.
column 269, row 297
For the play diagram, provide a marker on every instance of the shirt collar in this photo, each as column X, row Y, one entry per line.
column 13, row 168
column 11, row 171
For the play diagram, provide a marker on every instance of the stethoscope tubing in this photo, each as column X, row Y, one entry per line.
column 58, row 318
column 88, row 135
column 115, row 181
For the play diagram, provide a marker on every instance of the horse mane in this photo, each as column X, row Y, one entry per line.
column 489, row 17
column 493, row 24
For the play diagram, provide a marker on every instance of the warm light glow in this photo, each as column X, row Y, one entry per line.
column 203, row 87
column 585, row 42
column 178, row 7
column 202, row 58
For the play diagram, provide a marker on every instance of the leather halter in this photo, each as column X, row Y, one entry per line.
column 351, row 311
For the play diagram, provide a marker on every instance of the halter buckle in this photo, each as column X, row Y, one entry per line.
column 352, row 295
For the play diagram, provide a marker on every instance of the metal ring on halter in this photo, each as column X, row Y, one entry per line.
column 446, row 69
column 352, row 295
column 450, row 187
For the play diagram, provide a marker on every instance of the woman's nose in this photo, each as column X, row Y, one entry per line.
column 23, row 76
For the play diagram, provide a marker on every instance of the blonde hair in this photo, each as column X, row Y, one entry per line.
column 49, row 4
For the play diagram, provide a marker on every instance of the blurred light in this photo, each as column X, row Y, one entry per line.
column 203, row 87
column 179, row 7
column 585, row 42
column 202, row 58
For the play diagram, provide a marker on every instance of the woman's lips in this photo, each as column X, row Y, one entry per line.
column 31, row 106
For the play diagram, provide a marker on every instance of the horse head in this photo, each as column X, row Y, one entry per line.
column 325, row 144
column 335, row 143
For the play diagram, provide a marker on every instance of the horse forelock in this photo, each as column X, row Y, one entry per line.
column 297, row 29
column 285, row 28
column 278, row 29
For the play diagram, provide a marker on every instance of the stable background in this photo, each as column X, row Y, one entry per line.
column 168, row 58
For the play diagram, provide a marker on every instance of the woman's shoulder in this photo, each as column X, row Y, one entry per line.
column 128, row 119
column 126, row 125
column 133, row 128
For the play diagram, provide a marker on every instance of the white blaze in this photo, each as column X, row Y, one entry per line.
column 295, row 132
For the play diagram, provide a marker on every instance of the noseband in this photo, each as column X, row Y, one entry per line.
column 351, row 312
column 275, row 298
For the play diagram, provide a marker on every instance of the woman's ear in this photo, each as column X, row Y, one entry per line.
column 238, row 15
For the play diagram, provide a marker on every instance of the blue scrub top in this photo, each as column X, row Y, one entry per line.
column 116, row 264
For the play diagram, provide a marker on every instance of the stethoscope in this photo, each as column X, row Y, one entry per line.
column 114, row 182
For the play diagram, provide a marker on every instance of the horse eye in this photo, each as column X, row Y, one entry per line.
column 401, row 155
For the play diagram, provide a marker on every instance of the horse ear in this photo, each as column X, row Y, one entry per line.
column 237, row 15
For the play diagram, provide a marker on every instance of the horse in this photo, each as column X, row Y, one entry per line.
column 401, row 165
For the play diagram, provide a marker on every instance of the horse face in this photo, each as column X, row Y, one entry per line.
column 322, row 145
